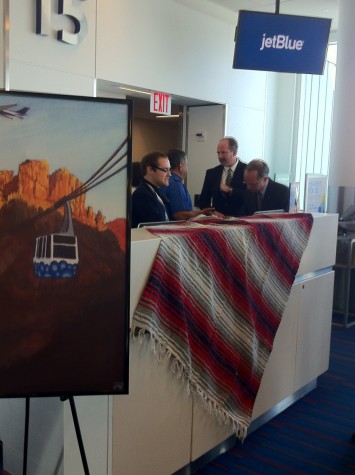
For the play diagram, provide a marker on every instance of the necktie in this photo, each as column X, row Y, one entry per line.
column 229, row 177
column 260, row 200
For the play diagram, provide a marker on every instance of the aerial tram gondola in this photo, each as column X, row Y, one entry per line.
column 56, row 255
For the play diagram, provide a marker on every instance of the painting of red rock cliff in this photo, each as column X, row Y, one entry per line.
column 64, row 239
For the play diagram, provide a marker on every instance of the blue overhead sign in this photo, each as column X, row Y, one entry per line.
column 282, row 43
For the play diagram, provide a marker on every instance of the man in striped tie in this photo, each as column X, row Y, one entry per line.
column 224, row 186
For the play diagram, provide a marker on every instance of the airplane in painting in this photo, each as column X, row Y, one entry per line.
column 6, row 111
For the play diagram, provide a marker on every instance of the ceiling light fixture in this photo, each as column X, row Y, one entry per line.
column 135, row 90
column 171, row 116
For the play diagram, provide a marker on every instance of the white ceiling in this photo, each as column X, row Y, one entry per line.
column 230, row 8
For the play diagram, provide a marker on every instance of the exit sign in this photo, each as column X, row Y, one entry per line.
column 160, row 103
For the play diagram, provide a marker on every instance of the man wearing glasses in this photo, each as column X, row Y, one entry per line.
column 148, row 204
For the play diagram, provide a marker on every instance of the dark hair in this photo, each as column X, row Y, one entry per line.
column 260, row 166
column 136, row 173
column 232, row 144
column 151, row 160
column 176, row 156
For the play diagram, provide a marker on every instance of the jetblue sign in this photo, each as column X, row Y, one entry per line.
column 282, row 43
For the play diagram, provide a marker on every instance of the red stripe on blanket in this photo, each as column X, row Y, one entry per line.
column 215, row 298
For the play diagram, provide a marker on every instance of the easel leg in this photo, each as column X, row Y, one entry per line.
column 78, row 433
column 25, row 442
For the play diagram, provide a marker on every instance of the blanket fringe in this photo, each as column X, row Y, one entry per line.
column 177, row 368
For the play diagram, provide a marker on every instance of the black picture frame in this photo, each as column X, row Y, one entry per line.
column 65, row 172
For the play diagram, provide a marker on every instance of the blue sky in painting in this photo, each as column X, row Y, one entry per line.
column 79, row 135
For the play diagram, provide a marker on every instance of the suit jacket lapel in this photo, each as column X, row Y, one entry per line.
column 237, row 175
column 218, row 176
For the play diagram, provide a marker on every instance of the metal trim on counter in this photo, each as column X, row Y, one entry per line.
column 311, row 275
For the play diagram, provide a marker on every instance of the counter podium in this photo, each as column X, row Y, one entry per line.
column 158, row 428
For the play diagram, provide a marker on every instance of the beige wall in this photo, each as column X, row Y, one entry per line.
column 40, row 63
column 148, row 135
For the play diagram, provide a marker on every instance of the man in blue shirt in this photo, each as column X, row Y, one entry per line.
column 180, row 204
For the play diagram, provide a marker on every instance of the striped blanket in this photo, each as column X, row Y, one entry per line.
column 214, row 300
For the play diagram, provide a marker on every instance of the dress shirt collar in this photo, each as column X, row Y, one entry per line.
column 264, row 189
column 233, row 167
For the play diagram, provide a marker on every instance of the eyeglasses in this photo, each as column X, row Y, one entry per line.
column 165, row 170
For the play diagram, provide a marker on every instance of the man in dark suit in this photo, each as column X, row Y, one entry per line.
column 224, row 186
column 263, row 194
column 148, row 204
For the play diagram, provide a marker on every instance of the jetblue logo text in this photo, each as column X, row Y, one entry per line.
column 281, row 42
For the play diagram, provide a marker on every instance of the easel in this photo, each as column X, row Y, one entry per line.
column 77, row 430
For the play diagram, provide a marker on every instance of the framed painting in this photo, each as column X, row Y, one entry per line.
column 65, row 244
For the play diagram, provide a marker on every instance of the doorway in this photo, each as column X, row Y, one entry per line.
column 151, row 132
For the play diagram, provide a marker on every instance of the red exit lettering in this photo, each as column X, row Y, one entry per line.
column 160, row 103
